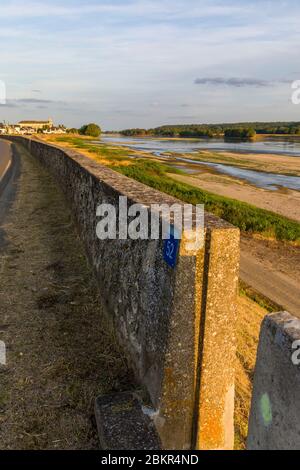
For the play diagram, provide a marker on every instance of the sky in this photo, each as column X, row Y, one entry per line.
column 144, row 63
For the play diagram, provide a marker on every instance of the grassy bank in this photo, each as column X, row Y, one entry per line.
column 245, row 216
column 248, row 218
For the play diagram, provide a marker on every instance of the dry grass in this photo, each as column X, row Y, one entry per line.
column 61, row 352
column 250, row 316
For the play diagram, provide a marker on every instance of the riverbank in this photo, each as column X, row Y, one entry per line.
column 143, row 167
column 261, row 169
column 284, row 202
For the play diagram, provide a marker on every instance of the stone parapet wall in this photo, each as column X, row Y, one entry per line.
column 176, row 326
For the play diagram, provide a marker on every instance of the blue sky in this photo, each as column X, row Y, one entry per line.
column 142, row 63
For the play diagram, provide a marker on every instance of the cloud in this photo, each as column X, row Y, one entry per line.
column 142, row 54
column 137, row 8
column 34, row 101
column 233, row 82
column 239, row 82
column 8, row 104
column 39, row 103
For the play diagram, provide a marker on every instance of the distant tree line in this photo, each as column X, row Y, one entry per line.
column 172, row 131
column 246, row 130
column 240, row 133
column 134, row 132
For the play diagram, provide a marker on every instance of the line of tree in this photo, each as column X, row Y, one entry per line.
column 173, row 131
column 217, row 130
column 240, row 133
column 134, row 132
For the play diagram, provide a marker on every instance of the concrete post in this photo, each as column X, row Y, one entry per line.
column 274, row 422
column 217, row 340
column 202, row 346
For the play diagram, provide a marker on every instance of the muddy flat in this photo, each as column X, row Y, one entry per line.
column 268, row 162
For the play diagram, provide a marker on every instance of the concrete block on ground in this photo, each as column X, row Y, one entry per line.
column 124, row 424
column 275, row 411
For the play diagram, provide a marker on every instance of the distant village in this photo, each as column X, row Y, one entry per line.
column 32, row 127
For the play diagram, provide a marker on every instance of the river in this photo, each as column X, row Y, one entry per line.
column 266, row 180
column 274, row 145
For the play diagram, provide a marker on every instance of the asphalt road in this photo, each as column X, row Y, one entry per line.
column 9, row 172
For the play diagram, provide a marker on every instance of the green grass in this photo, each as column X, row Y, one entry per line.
column 245, row 216
column 248, row 218
column 103, row 151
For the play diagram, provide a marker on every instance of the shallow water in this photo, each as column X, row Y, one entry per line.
column 271, row 181
column 282, row 146
column 259, row 178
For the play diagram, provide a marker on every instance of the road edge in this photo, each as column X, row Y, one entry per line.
column 4, row 180
column 7, row 184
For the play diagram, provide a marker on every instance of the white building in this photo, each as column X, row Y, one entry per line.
column 36, row 125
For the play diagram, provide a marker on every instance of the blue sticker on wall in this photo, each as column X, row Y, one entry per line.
column 171, row 248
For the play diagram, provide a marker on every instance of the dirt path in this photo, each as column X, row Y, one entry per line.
column 60, row 354
column 273, row 269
